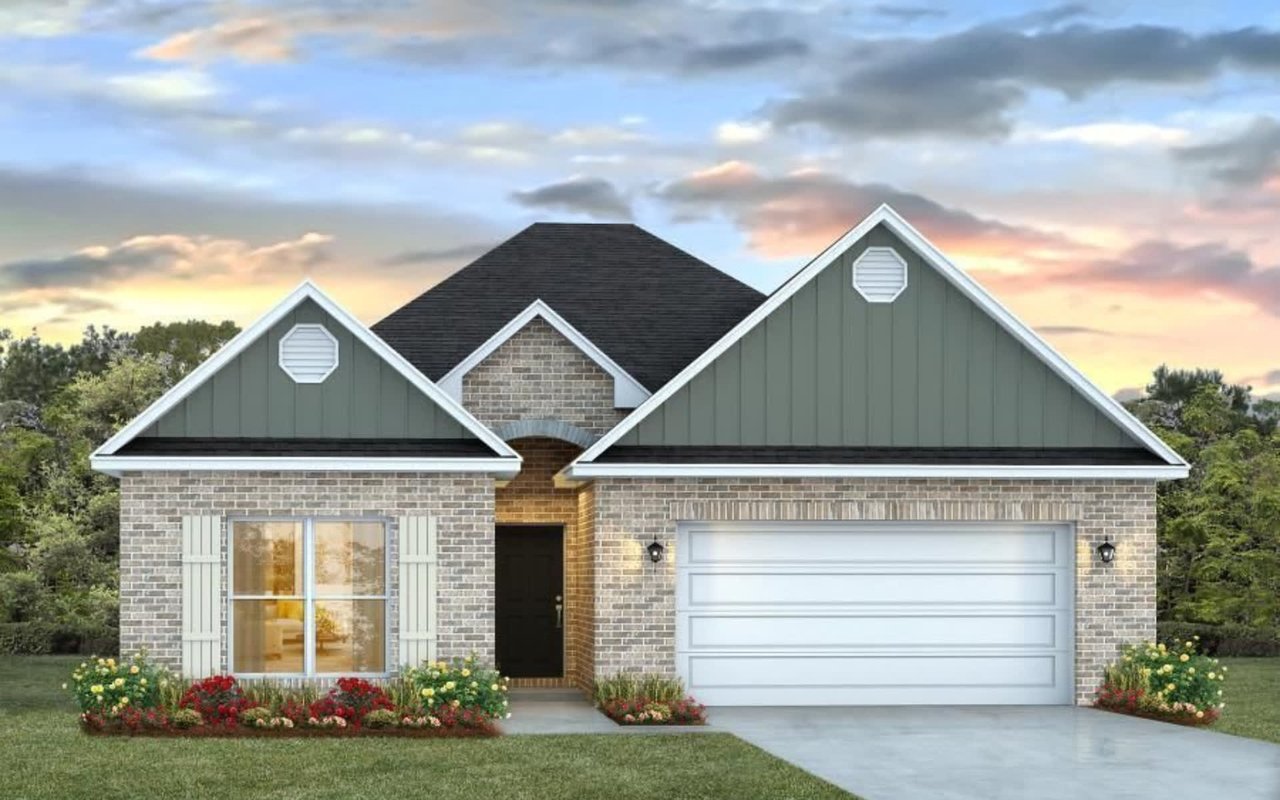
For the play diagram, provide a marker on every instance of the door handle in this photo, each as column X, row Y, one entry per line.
column 559, row 612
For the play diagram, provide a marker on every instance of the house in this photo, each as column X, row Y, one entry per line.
column 590, row 452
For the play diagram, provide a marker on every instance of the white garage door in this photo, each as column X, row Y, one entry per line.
column 851, row 613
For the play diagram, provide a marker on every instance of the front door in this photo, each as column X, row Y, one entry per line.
column 530, row 600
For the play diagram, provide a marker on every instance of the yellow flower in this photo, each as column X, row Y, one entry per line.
column 1190, row 645
column 133, row 670
column 143, row 681
column 102, row 662
column 466, row 673
column 1191, row 670
column 1170, row 687
column 1199, row 715
column 1212, row 676
column 96, row 688
column 1184, row 657
column 493, row 687
column 456, row 703
column 124, row 701
column 118, row 682
column 428, row 692
column 448, row 687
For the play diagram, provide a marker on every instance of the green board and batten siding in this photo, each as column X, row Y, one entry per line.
column 252, row 397
column 827, row 368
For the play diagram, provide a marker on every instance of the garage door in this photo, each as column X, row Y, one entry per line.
column 805, row 613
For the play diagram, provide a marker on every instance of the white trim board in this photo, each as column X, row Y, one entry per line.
column 305, row 291
column 117, row 465
column 589, row 470
column 957, row 277
column 627, row 391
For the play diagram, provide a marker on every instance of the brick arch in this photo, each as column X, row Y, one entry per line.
column 545, row 428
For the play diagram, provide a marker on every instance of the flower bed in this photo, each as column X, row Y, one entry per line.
column 1158, row 682
column 433, row 700
column 647, row 700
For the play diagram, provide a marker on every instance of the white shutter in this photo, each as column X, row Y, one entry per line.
column 417, row 589
column 201, row 591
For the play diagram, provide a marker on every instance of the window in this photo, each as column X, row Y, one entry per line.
column 308, row 597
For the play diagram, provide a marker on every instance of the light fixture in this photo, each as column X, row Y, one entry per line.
column 1107, row 551
column 655, row 551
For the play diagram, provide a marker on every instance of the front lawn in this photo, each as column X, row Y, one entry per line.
column 46, row 756
column 1253, row 698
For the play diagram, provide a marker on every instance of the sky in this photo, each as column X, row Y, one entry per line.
column 1109, row 170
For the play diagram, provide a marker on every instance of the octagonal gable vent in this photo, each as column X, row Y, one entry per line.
column 308, row 353
column 880, row 274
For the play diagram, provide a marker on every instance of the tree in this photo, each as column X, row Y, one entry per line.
column 187, row 344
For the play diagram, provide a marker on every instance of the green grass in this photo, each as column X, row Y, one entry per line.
column 45, row 756
column 1253, row 698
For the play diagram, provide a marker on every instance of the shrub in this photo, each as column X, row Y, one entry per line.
column 351, row 700
column 462, row 685
column 185, row 718
column 1229, row 639
column 26, row 638
column 219, row 700
column 106, row 687
column 276, row 695
column 647, row 700
column 1170, row 682
column 252, row 716
column 626, row 686
column 381, row 718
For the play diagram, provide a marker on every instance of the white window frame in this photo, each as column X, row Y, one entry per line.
column 309, row 597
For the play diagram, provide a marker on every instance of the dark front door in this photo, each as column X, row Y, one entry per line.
column 530, row 600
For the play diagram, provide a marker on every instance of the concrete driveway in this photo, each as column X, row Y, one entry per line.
column 1022, row 753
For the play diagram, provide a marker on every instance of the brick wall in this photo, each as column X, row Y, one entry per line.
column 152, row 505
column 539, row 374
column 635, row 600
column 532, row 497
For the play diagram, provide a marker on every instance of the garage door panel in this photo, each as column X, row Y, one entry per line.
column 821, row 632
column 807, row 613
column 832, row 543
column 708, row 589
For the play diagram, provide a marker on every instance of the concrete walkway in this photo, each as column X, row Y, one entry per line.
column 1019, row 753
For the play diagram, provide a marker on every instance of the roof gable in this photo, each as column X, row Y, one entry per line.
column 243, row 393
column 649, row 306
column 627, row 391
column 941, row 366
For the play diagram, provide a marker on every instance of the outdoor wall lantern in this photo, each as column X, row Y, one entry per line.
column 655, row 551
column 1107, row 551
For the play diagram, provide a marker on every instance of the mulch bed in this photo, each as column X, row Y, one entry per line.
column 242, row 732
column 1183, row 720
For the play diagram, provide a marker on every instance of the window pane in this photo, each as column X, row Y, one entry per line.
column 267, row 558
column 350, row 636
column 269, row 635
column 351, row 558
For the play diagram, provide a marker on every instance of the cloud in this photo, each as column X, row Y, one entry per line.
column 149, row 91
column 1072, row 330
column 1157, row 268
column 1248, row 158
column 741, row 55
column 907, row 13
column 736, row 133
column 164, row 256
column 1110, row 134
column 439, row 255
column 592, row 197
column 801, row 212
column 68, row 302
column 1268, row 378
column 249, row 39
column 968, row 83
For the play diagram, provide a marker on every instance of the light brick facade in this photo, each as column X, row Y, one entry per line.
column 539, row 374
column 635, row 599
column 152, row 505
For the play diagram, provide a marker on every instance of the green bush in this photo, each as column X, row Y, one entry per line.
column 1228, row 639
column 23, row 597
column 464, row 684
column 381, row 718
column 105, row 687
column 1175, row 676
column 646, row 686
column 251, row 716
column 185, row 718
column 25, row 638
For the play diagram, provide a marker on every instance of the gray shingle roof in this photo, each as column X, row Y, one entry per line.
column 650, row 306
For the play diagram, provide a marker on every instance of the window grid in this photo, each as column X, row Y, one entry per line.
column 309, row 597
